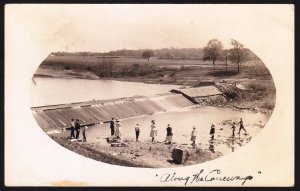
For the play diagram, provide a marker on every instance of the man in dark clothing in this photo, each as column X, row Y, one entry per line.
column 212, row 131
column 112, row 127
column 137, row 132
column 77, row 128
column 241, row 126
column 72, row 128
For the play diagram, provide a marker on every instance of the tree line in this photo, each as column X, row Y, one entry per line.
column 214, row 51
column 164, row 53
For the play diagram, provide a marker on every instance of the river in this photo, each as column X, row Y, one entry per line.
column 49, row 91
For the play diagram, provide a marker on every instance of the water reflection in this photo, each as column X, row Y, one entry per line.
column 233, row 142
column 212, row 146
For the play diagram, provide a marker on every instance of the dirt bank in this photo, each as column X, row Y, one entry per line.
column 136, row 154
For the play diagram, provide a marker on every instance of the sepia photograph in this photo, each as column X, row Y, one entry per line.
column 154, row 108
column 173, row 93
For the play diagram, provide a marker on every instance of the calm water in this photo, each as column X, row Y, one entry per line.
column 50, row 91
column 57, row 91
column 182, row 123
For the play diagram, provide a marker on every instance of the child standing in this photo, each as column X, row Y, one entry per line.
column 233, row 129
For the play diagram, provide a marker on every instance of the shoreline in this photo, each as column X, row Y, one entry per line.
column 136, row 154
column 145, row 154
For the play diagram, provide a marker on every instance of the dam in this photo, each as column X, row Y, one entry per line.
column 57, row 117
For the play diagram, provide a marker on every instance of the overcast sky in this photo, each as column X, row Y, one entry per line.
column 110, row 27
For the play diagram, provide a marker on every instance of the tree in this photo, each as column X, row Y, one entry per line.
column 213, row 51
column 238, row 54
column 104, row 67
column 225, row 57
column 147, row 54
column 135, row 69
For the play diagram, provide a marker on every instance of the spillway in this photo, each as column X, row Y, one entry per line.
column 54, row 117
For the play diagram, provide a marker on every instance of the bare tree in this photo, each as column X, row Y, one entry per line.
column 213, row 51
column 238, row 54
column 148, row 54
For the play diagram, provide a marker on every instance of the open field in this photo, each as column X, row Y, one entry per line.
column 260, row 93
column 171, row 70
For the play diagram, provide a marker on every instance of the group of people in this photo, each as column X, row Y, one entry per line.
column 212, row 131
column 153, row 133
column 241, row 127
column 75, row 128
column 115, row 129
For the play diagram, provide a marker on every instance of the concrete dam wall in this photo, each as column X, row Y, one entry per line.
column 59, row 116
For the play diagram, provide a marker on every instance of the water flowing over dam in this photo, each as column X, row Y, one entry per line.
column 59, row 116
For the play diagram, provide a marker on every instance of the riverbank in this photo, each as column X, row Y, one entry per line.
column 136, row 154
column 159, row 155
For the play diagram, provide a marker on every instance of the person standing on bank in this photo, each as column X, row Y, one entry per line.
column 241, row 126
column 72, row 128
column 137, row 132
column 118, row 129
column 153, row 132
column 212, row 132
column 83, row 133
column 77, row 128
column 112, row 127
column 169, row 134
column 193, row 136
column 233, row 129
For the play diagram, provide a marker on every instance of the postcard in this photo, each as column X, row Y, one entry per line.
column 149, row 95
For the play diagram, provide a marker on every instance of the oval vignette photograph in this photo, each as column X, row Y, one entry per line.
column 154, row 108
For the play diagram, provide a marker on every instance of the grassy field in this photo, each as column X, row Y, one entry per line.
column 253, row 73
column 123, row 67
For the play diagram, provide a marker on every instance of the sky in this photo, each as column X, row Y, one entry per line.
column 102, row 28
